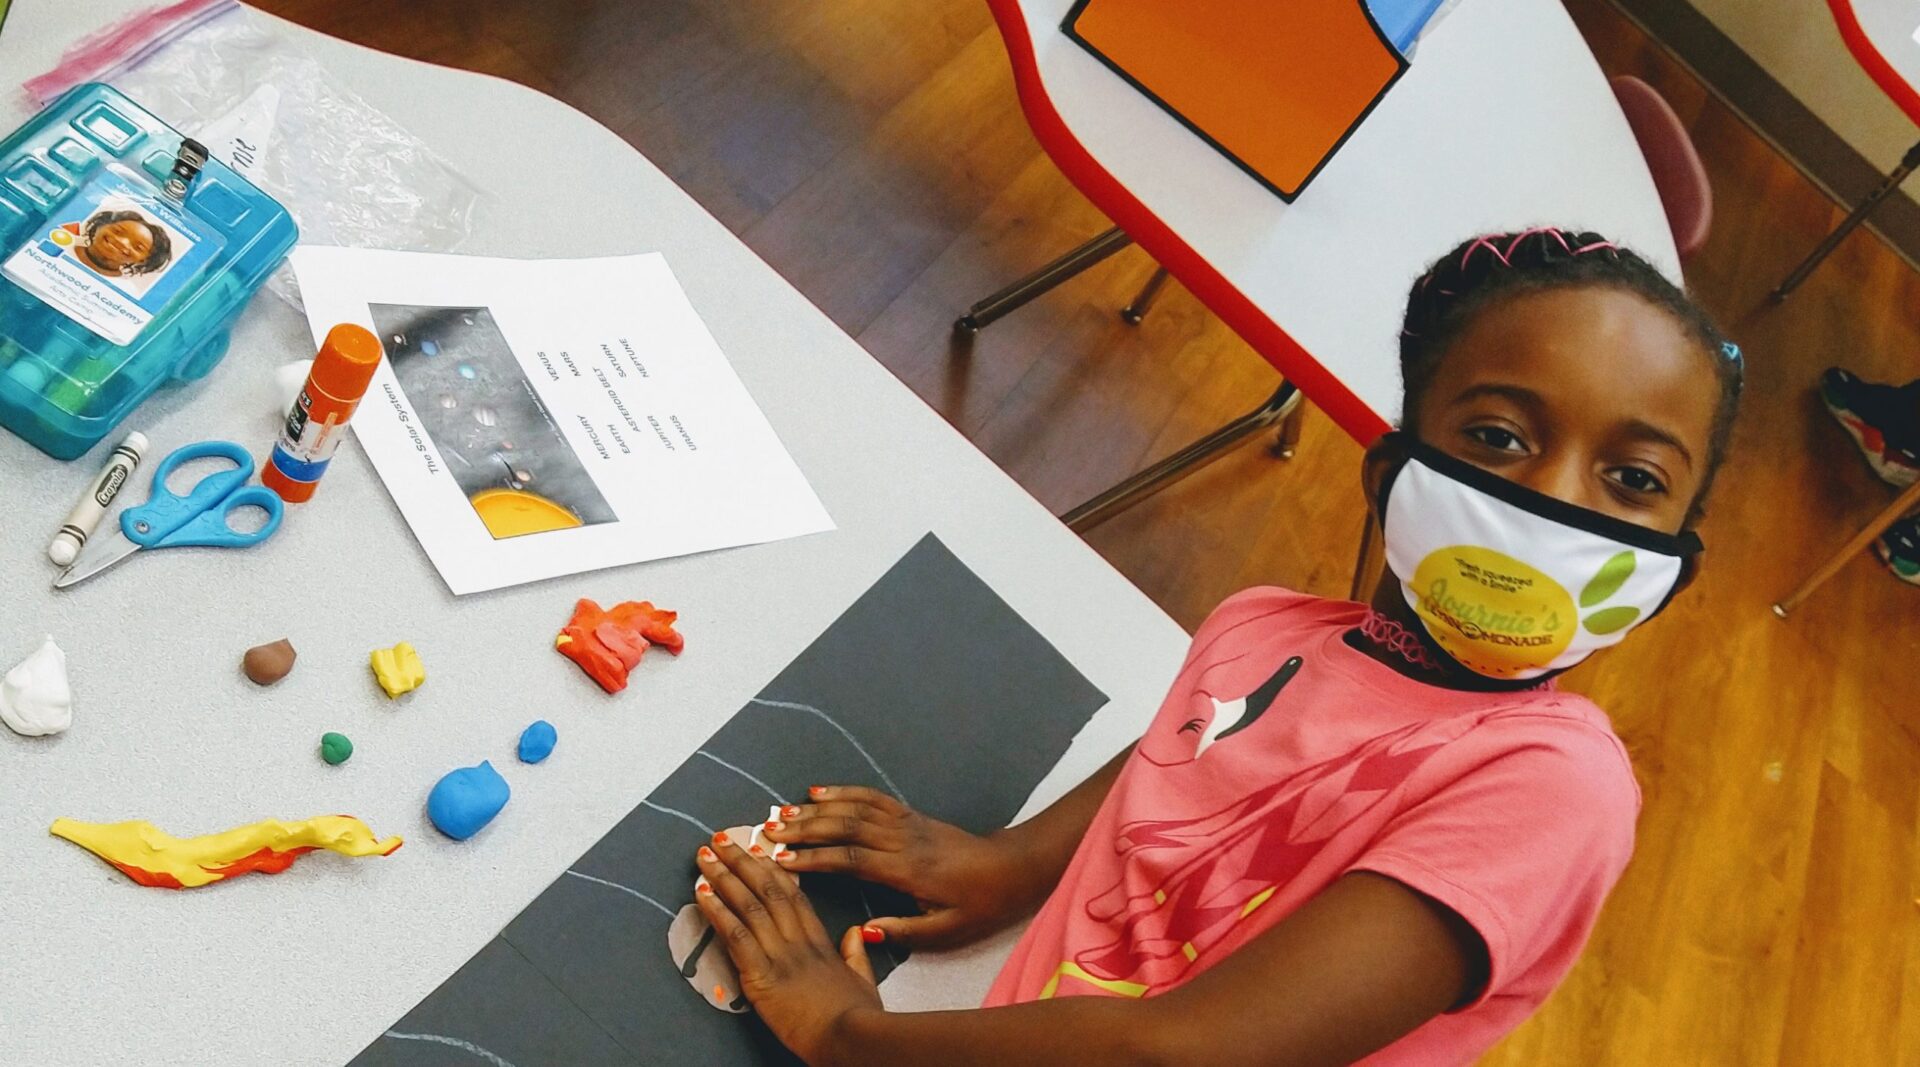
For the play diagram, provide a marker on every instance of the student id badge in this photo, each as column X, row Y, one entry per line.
column 113, row 255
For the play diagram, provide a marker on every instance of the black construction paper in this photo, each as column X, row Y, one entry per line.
column 929, row 686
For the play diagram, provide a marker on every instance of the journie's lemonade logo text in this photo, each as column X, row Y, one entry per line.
column 1492, row 612
column 1502, row 617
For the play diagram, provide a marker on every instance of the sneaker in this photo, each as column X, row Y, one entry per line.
column 1883, row 420
column 1899, row 549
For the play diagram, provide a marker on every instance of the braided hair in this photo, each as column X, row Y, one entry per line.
column 157, row 258
column 1486, row 270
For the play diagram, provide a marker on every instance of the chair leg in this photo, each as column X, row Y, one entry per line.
column 1902, row 504
column 1136, row 312
column 1287, row 442
column 1854, row 218
column 1034, row 285
column 1371, row 563
column 1184, row 462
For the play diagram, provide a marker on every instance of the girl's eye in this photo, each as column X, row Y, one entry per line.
column 1497, row 438
column 1638, row 480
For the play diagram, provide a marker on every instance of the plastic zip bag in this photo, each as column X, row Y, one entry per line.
column 236, row 80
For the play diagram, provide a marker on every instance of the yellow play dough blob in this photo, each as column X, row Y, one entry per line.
column 398, row 669
column 153, row 857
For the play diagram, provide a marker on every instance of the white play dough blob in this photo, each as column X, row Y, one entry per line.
column 35, row 698
column 287, row 382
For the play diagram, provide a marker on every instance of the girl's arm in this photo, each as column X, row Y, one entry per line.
column 1357, row 967
column 968, row 886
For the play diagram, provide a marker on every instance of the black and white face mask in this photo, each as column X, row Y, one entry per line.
column 1514, row 584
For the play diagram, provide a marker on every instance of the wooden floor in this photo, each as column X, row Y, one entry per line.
column 872, row 151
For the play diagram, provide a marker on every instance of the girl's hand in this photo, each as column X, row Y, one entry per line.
column 801, row 985
column 967, row 886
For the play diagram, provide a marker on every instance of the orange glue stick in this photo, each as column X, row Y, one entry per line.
column 318, row 419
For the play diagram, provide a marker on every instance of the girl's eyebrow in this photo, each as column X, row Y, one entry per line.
column 1520, row 395
column 1646, row 431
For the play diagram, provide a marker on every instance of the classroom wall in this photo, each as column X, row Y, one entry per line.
column 1795, row 41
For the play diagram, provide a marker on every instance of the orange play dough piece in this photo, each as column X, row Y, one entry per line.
column 609, row 643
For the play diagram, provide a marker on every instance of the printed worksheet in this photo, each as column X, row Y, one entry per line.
column 535, row 418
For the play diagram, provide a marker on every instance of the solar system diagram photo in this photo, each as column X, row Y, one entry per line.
column 486, row 420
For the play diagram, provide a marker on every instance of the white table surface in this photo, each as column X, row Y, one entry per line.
column 1893, row 28
column 1503, row 121
column 309, row 966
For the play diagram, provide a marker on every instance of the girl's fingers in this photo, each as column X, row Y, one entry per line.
column 825, row 818
column 740, row 900
column 803, row 908
column 744, row 949
column 879, row 866
column 853, row 949
column 775, row 893
column 858, row 793
column 941, row 926
column 838, row 830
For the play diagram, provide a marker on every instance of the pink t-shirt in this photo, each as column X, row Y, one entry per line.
column 1284, row 758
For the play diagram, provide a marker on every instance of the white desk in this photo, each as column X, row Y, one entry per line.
column 1504, row 121
column 1884, row 37
column 321, row 959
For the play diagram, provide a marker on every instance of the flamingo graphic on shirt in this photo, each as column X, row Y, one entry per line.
column 1187, row 884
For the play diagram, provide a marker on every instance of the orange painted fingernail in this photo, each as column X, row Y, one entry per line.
column 776, row 826
column 783, row 857
column 757, row 850
column 791, row 811
column 872, row 935
column 720, row 838
column 707, row 854
column 817, row 791
column 720, row 994
column 703, row 888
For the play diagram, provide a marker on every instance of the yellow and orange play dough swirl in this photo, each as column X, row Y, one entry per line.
column 153, row 857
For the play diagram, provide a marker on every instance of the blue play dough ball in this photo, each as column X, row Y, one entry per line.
column 536, row 741
column 463, row 801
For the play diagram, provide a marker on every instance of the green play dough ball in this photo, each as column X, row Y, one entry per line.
column 335, row 748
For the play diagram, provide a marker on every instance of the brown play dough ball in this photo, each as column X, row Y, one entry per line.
column 267, row 664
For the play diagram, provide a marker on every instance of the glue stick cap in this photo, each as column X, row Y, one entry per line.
column 346, row 361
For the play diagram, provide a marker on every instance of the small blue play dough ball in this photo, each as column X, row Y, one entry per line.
column 464, row 800
column 537, row 740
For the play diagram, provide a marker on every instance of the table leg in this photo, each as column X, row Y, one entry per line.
column 1136, row 312
column 1034, row 285
column 1902, row 504
column 1184, row 462
column 1859, row 215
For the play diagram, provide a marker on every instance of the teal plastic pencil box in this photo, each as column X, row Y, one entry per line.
column 111, row 283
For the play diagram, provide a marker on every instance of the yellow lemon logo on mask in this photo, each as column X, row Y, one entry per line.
column 1492, row 612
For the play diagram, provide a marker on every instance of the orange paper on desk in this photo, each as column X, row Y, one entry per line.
column 1277, row 85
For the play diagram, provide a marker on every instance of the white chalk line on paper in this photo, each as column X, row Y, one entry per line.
column 844, row 732
column 664, row 910
column 744, row 773
column 452, row 1042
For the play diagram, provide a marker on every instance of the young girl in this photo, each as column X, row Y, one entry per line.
column 1352, row 831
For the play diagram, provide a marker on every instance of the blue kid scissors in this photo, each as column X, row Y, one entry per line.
column 169, row 520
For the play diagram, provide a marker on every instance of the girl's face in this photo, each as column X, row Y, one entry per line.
column 1592, row 395
column 119, row 245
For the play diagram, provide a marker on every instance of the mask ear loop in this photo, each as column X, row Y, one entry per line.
column 1397, row 441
